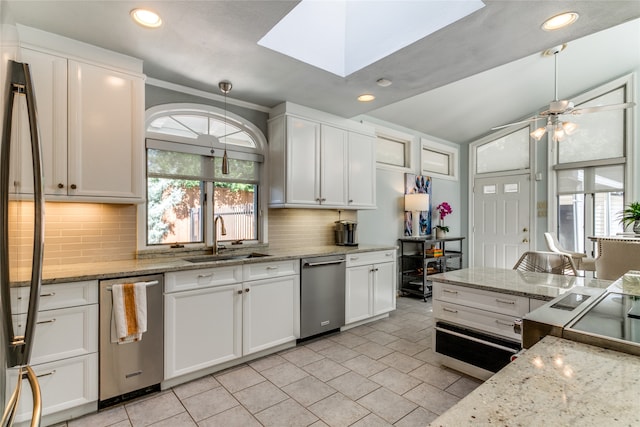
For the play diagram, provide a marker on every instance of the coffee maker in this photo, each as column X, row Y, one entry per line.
column 346, row 233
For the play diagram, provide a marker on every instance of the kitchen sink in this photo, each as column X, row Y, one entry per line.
column 212, row 258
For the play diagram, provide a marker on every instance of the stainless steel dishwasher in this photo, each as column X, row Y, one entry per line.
column 322, row 293
column 133, row 369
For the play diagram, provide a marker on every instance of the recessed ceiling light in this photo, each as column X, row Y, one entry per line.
column 560, row 21
column 146, row 18
column 383, row 82
column 366, row 97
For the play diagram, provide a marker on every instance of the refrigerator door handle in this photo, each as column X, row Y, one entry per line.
column 18, row 349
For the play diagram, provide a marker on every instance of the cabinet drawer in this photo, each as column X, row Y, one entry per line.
column 64, row 384
column 202, row 278
column 364, row 258
column 265, row 270
column 492, row 301
column 493, row 323
column 58, row 295
column 63, row 333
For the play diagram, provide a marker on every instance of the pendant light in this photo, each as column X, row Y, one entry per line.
column 225, row 87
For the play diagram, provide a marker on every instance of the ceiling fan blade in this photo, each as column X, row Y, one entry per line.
column 578, row 111
column 515, row 123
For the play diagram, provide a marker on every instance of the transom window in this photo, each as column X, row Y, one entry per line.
column 186, row 189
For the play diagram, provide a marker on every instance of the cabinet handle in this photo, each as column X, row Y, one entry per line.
column 60, row 185
column 354, row 258
column 46, row 374
column 504, row 301
column 46, row 321
column 388, row 254
column 503, row 323
column 449, row 291
column 73, row 186
column 200, row 276
column 323, row 200
column 449, row 310
column 240, row 292
column 50, row 294
column 318, row 200
column 247, row 290
column 272, row 267
column 350, row 200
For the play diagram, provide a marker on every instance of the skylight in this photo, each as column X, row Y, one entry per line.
column 344, row 36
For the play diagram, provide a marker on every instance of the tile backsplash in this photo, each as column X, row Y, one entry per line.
column 91, row 232
column 300, row 228
column 74, row 233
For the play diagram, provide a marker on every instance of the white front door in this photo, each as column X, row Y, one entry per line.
column 501, row 220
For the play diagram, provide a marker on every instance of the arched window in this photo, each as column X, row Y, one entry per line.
column 186, row 188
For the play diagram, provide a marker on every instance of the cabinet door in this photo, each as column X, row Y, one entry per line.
column 384, row 288
column 105, row 132
column 202, row 328
column 358, row 293
column 303, row 160
column 362, row 171
column 49, row 77
column 270, row 313
column 333, row 166
column 64, row 384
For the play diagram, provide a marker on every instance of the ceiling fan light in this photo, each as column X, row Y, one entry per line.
column 558, row 133
column 569, row 127
column 560, row 21
column 538, row 133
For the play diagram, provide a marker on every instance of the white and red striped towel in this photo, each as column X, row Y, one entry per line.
column 129, row 313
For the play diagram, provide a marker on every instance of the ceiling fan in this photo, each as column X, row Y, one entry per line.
column 561, row 107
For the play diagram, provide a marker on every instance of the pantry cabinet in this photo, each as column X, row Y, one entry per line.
column 91, row 119
column 319, row 162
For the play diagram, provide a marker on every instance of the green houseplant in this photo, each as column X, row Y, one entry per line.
column 631, row 215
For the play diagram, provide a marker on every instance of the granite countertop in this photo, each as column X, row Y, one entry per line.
column 530, row 284
column 133, row 267
column 556, row 382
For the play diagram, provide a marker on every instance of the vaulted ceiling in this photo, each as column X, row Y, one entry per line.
column 483, row 70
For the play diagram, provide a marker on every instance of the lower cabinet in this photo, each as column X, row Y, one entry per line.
column 208, row 326
column 474, row 328
column 202, row 328
column 370, row 285
column 65, row 351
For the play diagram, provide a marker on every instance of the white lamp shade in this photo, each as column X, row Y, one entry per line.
column 416, row 202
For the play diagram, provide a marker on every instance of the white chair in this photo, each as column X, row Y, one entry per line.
column 616, row 257
column 580, row 260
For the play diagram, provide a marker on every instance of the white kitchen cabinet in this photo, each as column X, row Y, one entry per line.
column 65, row 351
column 370, row 285
column 318, row 162
column 270, row 313
column 203, row 327
column 491, row 312
column 212, row 317
column 361, row 163
column 91, row 119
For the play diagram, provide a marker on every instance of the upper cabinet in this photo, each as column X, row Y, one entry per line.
column 90, row 105
column 320, row 162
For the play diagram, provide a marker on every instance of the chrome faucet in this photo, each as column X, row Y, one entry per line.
column 223, row 231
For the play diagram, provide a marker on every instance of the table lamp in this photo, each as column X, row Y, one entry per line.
column 416, row 203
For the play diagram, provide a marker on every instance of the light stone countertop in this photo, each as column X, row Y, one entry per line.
column 133, row 267
column 542, row 286
column 555, row 383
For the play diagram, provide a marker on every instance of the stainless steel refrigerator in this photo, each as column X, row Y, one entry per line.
column 18, row 342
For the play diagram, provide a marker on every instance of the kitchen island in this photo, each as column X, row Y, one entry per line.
column 556, row 382
column 530, row 284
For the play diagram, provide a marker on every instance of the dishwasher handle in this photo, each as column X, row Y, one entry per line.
column 316, row 264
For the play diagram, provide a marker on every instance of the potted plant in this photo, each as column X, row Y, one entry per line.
column 631, row 215
column 443, row 209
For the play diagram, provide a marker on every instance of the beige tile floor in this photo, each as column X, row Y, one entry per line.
column 379, row 374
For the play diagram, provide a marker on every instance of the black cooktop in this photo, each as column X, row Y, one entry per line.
column 614, row 316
